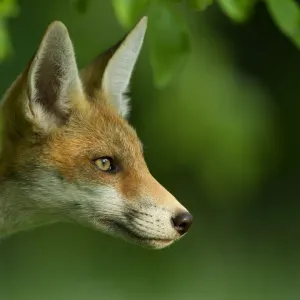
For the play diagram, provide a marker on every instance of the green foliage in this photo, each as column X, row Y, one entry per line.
column 168, row 33
column 237, row 10
column 286, row 14
column 169, row 42
column 8, row 8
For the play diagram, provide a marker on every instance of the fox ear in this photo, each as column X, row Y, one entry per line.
column 53, row 78
column 110, row 73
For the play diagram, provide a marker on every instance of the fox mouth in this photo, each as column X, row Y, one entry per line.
column 129, row 234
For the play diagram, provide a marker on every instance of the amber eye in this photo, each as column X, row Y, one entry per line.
column 105, row 164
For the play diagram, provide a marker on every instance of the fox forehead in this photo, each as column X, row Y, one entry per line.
column 92, row 132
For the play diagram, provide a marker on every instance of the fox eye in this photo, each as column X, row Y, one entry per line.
column 105, row 164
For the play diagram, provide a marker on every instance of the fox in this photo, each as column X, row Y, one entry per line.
column 69, row 153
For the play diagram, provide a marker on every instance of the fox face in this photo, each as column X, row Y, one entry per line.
column 68, row 143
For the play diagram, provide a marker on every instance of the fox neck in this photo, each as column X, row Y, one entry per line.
column 18, row 210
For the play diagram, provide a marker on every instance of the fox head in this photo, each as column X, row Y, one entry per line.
column 74, row 156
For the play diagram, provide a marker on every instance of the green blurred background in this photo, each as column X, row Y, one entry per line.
column 222, row 136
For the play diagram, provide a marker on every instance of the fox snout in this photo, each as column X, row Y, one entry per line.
column 181, row 219
column 154, row 218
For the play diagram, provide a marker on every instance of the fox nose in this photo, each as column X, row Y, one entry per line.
column 182, row 222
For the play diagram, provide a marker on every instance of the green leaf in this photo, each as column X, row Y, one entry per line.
column 200, row 4
column 169, row 42
column 128, row 11
column 286, row 15
column 8, row 8
column 238, row 10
